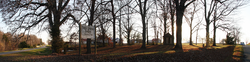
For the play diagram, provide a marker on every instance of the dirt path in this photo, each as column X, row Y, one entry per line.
column 10, row 52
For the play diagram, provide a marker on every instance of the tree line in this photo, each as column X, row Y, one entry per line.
column 8, row 41
column 166, row 16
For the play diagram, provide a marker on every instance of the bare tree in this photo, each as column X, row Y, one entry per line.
column 192, row 13
column 143, row 12
column 217, row 10
column 128, row 25
column 104, row 26
column 28, row 14
column 114, row 12
column 208, row 13
column 221, row 12
column 163, row 6
column 172, row 14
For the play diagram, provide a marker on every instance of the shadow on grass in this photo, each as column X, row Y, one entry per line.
column 151, row 54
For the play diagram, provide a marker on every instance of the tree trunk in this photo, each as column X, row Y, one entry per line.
column 57, row 42
column 214, row 43
column 147, row 33
column 190, row 38
column 143, row 32
column 143, row 12
column 92, row 12
column 207, row 34
column 165, row 28
column 128, row 29
column 103, row 32
column 128, row 38
column 179, row 16
column 120, row 31
column 172, row 21
column 103, row 39
column 114, row 18
column 197, row 35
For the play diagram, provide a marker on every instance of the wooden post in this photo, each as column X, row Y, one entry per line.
column 80, row 33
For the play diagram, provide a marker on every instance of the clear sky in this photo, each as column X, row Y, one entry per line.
column 243, row 19
column 241, row 16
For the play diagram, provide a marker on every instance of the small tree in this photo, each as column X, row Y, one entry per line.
column 229, row 39
column 24, row 45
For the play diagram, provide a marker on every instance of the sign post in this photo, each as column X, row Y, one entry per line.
column 88, row 32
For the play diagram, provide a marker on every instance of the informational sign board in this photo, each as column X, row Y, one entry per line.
column 88, row 32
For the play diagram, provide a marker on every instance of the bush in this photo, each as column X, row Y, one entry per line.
column 230, row 40
column 34, row 46
column 24, row 45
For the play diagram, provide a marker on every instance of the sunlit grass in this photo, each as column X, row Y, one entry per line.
column 16, row 50
column 238, row 52
column 23, row 49
column 42, row 51
column 186, row 48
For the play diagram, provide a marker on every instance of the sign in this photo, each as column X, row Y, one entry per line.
column 88, row 32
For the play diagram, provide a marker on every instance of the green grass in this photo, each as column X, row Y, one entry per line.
column 22, row 49
column 43, row 51
column 16, row 50
column 36, row 52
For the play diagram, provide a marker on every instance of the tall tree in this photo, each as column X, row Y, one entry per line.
column 217, row 10
column 128, row 25
column 164, row 8
column 163, row 4
column 208, row 13
column 190, row 19
column 180, row 6
column 222, row 11
column 172, row 11
column 143, row 12
column 104, row 26
column 114, row 12
column 114, row 18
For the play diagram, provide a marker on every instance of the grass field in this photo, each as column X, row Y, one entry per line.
column 134, row 53
column 43, row 51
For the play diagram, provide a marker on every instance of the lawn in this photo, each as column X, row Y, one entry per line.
column 153, row 53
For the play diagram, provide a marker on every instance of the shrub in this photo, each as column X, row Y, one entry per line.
column 24, row 45
column 34, row 46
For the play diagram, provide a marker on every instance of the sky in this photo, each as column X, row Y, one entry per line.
column 243, row 20
column 241, row 16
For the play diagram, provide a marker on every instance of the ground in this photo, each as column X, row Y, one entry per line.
column 153, row 53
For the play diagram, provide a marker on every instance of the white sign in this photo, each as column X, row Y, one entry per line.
column 88, row 32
